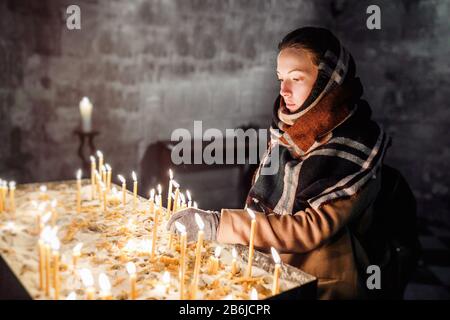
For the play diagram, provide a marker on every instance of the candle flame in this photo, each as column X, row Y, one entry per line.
column 121, row 178
column 171, row 174
column 195, row 205
column 254, row 294
column 234, row 253
column 54, row 203
column 152, row 194
column 166, row 278
column 46, row 234
column 72, row 296
column 275, row 255
column 103, row 281
column 180, row 227
column 43, row 188
column 79, row 173
column 188, row 195
column 175, row 184
column 199, row 221
column 12, row 184
column 134, row 176
column 251, row 213
column 131, row 268
column 86, row 277
column 92, row 158
column 182, row 198
column 108, row 167
column 103, row 168
column 77, row 249
column 55, row 244
column 217, row 251
column 99, row 154
column 159, row 189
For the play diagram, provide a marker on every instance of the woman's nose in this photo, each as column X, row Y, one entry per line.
column 284, row 90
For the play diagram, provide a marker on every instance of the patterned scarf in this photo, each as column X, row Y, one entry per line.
column 328, row 149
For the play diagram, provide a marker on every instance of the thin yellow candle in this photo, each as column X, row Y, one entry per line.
column 276, row 272
column 131, row 268
column 251, row 249
column 169, row 194
column 134, row 177
column 88, row 281
column 46, row 237
column 98, row 180
column 43, row 190
column 100, row 159
column 4, row 191
column 104, row 193
column 105, row 287
column 182, row 230
column 12, row 207
column 103, row 174
column 108, row 177
column 234, row 266
column 2, row 204
column 93, row 169
column 177, row 194
column 214, row 261
column 198, row 254
column 124, row 188
column 79, row 173
column 155, row 231
column 76, row 253
column 55, row 246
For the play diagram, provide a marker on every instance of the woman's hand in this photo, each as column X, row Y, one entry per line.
column 186, row 217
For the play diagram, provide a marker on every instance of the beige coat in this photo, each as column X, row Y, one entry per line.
column 317, row 242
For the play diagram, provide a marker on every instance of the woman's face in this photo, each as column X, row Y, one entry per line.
column 297, row 74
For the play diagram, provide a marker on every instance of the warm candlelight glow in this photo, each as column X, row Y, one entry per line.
column 108, row 176
column 251, row 244
column 275, row 255
column 131, row 269
column 276, row 272
column 72, row 296
column 124, row 188
column 254, row 294
column 88, row 282
column 170, row 174
column 199, row 221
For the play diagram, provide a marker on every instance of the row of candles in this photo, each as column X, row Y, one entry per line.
column 49, row 240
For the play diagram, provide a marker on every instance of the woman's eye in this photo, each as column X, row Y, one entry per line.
column 280, row 80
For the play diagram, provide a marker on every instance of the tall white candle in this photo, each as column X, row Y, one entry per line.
column 86, row 114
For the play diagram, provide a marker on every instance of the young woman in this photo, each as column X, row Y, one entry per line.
column 329, row 154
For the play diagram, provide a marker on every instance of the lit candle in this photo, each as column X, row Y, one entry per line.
column 86, row 114
column 12, row 188
column 100, row 159
column 182, row 200
column 88, row 281
column 105, row 287
column 159, row 188
column 55, row 246
column 182, row 230
column 98, row 179
column 155, row 231
column 133, row 175
column 93, row 169
column 54, row 213
column 251, row 245
column 46, row 236
column 131, row 268
column 76, row 253
column 169, row 194
column 4, row 189
column 234, row 266
column 177, row 194
column 276, row 272
column 108, row 177
column 214, row 261
column 189, row 198
column 105, row 205
column 198, row 254
column 103, row 174
column 254, row 294
column 43, row 190
column 124, row 189
column 79, row 173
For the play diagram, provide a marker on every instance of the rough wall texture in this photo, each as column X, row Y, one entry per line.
column 155, row 65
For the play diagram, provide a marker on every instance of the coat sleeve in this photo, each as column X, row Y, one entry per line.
column 300, row 232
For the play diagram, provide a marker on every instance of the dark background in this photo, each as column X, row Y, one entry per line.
column 152, row 66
